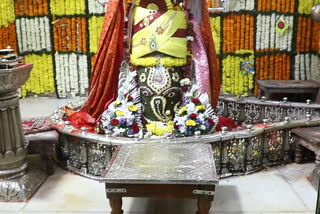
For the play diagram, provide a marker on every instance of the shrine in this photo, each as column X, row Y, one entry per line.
column 183, row 101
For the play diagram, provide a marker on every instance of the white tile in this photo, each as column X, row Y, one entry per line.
column 11, row 206
column 296, row 175
column 263, row 191
column 287, row 213
column 67, row 192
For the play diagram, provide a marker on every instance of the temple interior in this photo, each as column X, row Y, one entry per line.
column 160, row 106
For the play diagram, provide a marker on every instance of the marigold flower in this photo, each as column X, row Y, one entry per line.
column 119, row 113
column 191, row 123
column 117, row 103
column 182, row 110
column 133, row 108
column 201, row 107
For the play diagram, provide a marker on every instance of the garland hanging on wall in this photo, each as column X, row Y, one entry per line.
column 277, row 37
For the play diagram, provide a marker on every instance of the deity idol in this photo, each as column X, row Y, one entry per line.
column 157, row 72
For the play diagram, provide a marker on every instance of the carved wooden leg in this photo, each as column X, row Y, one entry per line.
column 116, row 204
column 204, row 205
column 298, row 154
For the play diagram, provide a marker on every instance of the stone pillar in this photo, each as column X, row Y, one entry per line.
column 17, row 181
column 13, row 149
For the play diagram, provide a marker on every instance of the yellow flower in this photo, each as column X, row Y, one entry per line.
column 191, row 123
column 201, row 107
column 133, row 108
column 117, row 103
column 170, row 123
column 159, row 130
column 119, row 113
column 182, row 110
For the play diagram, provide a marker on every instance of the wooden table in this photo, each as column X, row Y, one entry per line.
column 288, row 86
column 161, row 171
column 308, row 138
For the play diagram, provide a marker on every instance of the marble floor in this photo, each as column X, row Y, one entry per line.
column 280, row 189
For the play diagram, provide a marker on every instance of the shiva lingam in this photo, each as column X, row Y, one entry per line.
column 17, row 182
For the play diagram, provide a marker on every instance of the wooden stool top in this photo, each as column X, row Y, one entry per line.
column 43, row 137
column 162, row 163
column 298, row 84
column 310, row 134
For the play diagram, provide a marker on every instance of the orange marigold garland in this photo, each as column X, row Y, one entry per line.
column 308, row 34
column 73, row 34
column 80, row 37
column 288, row 68
column 84, row 33
column 272, row 65
column 45, row 7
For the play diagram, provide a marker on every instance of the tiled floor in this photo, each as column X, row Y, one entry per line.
column 280, row 189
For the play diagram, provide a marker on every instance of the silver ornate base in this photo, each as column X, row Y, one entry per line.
column 21, row 188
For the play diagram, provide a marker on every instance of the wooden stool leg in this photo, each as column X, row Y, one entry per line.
column 116, row 204
column 204, row 205
column 298, row 154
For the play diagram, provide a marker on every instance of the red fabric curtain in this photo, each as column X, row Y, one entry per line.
column 104, row 79
column 212, row 55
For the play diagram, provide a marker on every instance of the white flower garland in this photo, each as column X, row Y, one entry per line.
column 263, row 32
column 66, row 72
column 37, row 33
column 308, row 66
column 315, row 67
column 33, row 34
column 290, row 35
column 83, row 74
column 250, row 5
column 47, row 37
column 267, row 32
column 272, row 31
column 42, row 34
column 259, row 31
column 23, row 35
column 277, row 41
column 95, row 8
column 237, row 5
column 19, row 31
column 29, row 39
column 74, row 78
column 297, row 67
column 71, row 74
column 60, row 85
column 302, row 68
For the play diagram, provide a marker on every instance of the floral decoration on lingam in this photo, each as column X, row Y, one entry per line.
column 121, row 118
column 195, row 115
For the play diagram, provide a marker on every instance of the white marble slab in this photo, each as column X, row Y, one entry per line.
column 11, row 206
column 66, row 192
column 41, row 106
column 263, row 191
column 296, row 175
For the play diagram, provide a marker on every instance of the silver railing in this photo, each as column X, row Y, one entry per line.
column 265, row 141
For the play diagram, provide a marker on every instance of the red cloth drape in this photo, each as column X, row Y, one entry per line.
column 104, row 79
column 211, row 53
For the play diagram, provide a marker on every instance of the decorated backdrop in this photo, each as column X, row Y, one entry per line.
column 266, row 39
column 255, row 39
